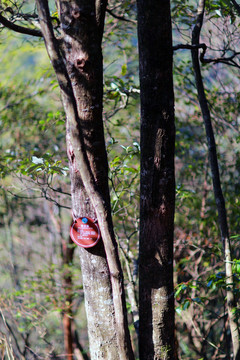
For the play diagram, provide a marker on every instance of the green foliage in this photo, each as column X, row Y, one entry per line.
column 33, row 164
column 46, row 165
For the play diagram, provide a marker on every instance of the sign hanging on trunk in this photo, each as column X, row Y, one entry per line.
column 85, row 232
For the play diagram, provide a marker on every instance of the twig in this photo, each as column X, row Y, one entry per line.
column 11, row 332
column 120, row 17
column 189, row 46
column 225, row 60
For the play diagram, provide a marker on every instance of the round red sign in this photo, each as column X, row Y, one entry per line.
column 85, row 232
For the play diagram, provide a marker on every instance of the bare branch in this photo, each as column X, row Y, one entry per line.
column 225, row 60
column 18, row 28
column 120, row 17
column 131, row 292
column 190, row 47
column 11, row 332
column 78, row 349
column 44, row 195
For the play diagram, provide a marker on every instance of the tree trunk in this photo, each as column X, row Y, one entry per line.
column 156, row 294
column 78, row 67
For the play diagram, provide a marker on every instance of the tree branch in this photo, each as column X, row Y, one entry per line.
column 237, row 6
column 82, row 355
column 120, row 17
column 225, row 60
column 190, row 46
column 18, row 28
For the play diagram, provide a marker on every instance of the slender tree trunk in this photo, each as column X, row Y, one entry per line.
column 220, row 202
column 67, row 254
column 7, row 219
column 156, row 294
column 79, row 72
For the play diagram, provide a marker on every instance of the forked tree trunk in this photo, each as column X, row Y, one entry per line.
column 78, row 66
column 156, row 294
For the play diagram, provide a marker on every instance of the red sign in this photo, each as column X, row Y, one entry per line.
column 85, row 232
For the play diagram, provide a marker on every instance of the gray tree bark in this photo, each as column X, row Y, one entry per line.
column 78, row 66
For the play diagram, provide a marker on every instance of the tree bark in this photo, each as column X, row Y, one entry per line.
column 220, row 201
column 79, row 71
column 156, row 294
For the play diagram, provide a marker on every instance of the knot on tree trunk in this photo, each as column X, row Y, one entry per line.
column 82, row 63
column 76, row 13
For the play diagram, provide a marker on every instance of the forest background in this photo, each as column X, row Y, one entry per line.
column 37, row 270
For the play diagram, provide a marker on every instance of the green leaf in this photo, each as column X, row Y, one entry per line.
column 124, row 69
column 33, row 168
column 186, row 305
